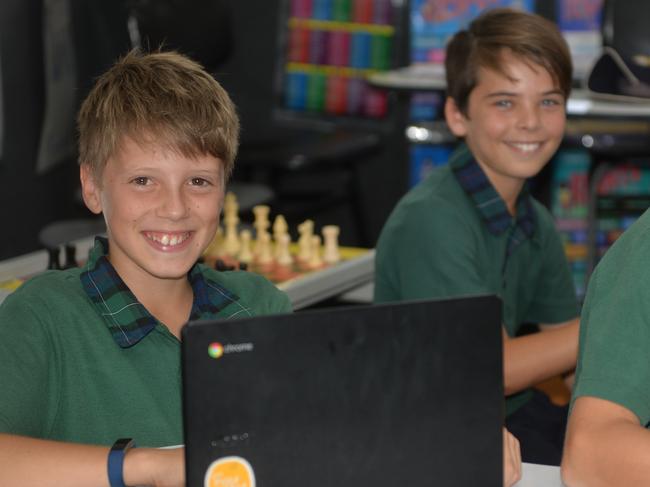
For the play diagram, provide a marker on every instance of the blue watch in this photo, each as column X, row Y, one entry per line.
column 116, row 461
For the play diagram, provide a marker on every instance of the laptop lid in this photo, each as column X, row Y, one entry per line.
column 406, row 394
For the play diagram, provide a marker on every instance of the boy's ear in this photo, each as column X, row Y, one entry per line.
column 90, row 189
column 455, row 118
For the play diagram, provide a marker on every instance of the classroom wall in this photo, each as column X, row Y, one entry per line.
column 27, row 201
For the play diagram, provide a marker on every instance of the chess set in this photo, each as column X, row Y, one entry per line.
column 267, row 249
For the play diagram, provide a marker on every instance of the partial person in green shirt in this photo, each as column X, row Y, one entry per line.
column 608, row 441
column 92, row 355
column 472, row 227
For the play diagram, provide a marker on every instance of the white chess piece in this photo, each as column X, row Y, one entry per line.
column 245, row 253
column 265, row 255
column 306, row 231
column 261, row 224
column 283, row 255
column 280, row 225
column 331, row 236
column 280, row 228
column 315, row 261
column 230, row 221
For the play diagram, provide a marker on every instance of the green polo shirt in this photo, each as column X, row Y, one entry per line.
column 68, row 373
column 445, row 239
column 614, row 345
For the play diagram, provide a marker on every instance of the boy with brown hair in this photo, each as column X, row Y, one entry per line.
column 92, row 355
column 472, row 227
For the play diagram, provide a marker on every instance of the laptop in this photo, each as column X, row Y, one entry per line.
column 400, row 394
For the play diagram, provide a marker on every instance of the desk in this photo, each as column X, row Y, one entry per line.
column 302, row 291
column 331, row 281
column 33, row 263
column 534, row 475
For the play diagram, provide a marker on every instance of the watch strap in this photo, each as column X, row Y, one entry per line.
column 116, row 461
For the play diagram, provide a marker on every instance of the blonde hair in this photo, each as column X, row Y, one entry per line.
column 162, row 98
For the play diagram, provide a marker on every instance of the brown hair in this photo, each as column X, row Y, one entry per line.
column 528, row 36
column 161, row 97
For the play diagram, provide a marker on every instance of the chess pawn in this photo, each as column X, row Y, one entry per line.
column 315, row 261
column 265, row 255
column 331, row 254
column 280, row 226
column 245, row 253
column 306, row 231
column 283, row 256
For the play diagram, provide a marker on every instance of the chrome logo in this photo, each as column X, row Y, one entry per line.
column 215, row 350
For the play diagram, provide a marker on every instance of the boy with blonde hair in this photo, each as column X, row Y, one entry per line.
column 92, row 355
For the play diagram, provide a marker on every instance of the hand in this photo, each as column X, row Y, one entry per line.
column 511, row 459
column 155, row 467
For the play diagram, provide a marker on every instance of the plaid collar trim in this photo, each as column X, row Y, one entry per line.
column 126, row 318
column 489, row 204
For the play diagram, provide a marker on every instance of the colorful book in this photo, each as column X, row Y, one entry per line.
column 362, row 11
column 301, row 9
column 433, row 22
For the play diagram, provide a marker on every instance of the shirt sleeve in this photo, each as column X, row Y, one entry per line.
column 615, row 333
column 27, row 367
column 554, row 299
column 425, row 254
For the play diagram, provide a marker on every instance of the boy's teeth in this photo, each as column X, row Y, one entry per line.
column 526, row 147
column 167, row 240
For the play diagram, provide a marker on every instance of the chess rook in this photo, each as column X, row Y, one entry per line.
column 331, row 254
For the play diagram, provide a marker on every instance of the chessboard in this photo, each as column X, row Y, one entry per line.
column 267, row 248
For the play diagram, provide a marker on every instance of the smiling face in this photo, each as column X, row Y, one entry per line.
column 514, row 124
column 161, row 210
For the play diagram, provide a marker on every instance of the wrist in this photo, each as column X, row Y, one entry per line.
column 137, row 468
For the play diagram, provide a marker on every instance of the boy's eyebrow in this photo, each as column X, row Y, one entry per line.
column 500, row 93
column 556, row 91
column 497, row 94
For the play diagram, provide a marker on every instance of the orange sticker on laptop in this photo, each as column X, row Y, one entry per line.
column 229, row 472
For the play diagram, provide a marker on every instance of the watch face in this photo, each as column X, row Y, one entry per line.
column 123, row 444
